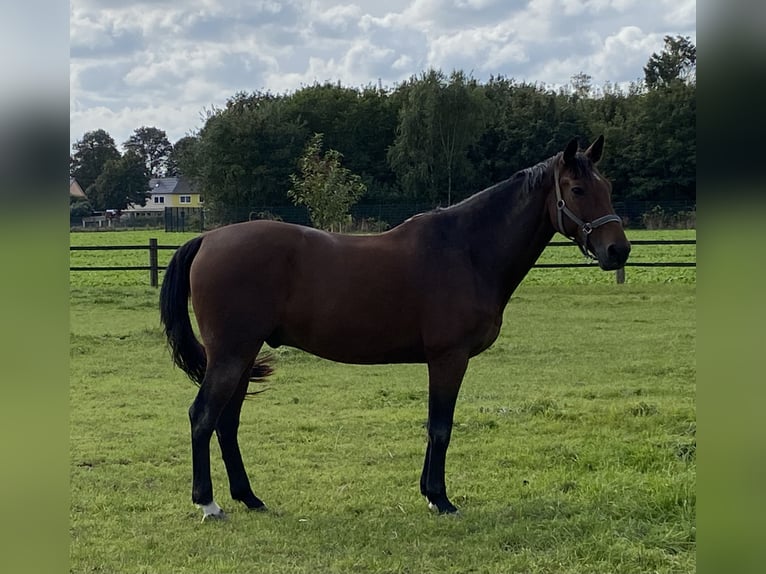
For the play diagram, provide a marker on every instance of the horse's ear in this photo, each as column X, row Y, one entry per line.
column 570, row 151
column 596, row 149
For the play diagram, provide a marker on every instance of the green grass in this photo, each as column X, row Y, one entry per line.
column 574, row 449
column 570, row 254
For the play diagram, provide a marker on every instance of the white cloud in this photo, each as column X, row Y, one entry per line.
column 629, row 48
column 336, row 20
column 162, row 61
column 177, row 121
column 402, row 64
column 489, row 48
column 681, row 13
column 89, row 33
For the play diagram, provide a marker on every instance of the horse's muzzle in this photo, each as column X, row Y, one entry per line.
column 614, row 256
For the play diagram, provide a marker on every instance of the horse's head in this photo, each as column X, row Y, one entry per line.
column 580, row 206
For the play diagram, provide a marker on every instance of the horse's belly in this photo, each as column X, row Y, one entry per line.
column 356, row 342
column 370, row 357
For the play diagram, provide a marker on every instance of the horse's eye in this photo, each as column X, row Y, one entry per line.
column 578, row 191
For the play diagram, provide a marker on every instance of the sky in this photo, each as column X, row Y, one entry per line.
column 162, row 63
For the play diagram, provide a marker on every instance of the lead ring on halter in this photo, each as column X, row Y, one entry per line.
column 585, row 227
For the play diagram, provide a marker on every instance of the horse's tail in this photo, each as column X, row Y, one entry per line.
column 186, row 350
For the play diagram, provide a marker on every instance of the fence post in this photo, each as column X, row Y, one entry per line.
column 620, row 275
column 153, row 267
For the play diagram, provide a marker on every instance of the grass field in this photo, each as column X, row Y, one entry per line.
column 574, row 449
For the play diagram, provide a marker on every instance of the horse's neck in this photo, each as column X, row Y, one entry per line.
column 511, row 231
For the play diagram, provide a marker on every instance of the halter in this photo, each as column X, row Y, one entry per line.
column 584, row 227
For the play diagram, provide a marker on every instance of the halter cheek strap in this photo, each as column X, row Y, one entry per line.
column 584, row 227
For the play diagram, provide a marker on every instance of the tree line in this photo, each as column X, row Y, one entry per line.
column 435, row 139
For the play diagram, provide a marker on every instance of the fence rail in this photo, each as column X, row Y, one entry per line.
column 154, row 268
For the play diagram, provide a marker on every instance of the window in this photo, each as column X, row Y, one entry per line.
column 185, row 199
column 159, row 199
column 200, row 199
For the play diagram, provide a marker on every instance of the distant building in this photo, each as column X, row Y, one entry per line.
column 166, row 192
column 75, row 191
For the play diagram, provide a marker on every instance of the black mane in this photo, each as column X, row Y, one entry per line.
column 523, row 181
column 486, row 207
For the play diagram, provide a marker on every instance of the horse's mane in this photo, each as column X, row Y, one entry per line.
column 515, row 188
column 521, row 182
column 528, row 179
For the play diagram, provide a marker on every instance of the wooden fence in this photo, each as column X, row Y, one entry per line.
column 154, row 268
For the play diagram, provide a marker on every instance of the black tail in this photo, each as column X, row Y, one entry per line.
column 174, row 312
column 187, row 351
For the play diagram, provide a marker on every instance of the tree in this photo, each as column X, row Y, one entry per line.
column 612, row 115
column 582, row 85
column 359, row 123
column 373, row 122
column 324, row 186
column 79, row 208
column 676, row 62
column 153, row 146
column 91, row 154
column 441, row 118
column 123, row 181
column 182, row 159
column 664, row 144
column 245, row 155
column 526, row 124
column 436, row 138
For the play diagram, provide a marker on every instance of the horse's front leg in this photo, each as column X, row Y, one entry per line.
column 445, row 374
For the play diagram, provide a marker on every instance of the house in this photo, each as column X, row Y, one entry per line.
column 166, row 192
column 75, row 191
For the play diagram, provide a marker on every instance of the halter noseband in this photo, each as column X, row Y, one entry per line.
column 584, row 227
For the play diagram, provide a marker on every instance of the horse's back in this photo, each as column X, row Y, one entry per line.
column 309, row 255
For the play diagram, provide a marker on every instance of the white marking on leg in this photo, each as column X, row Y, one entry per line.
column 211, row 509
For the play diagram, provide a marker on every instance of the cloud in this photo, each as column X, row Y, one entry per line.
column 629, row 48
column 176, row 120
column 485, row 49
column 336, row 22
column 162, row 61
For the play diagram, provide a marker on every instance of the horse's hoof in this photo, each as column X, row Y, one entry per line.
column 443, row 507
column 251, row 501
column 212, row 512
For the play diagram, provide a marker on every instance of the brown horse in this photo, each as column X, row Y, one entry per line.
column 431, row 290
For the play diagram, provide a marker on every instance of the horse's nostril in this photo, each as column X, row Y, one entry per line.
column 618, row 252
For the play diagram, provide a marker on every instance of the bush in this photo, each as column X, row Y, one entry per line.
column 267, row 215
column 658, row 218
column 367, row 225
column 144, row 222
column 79, row 208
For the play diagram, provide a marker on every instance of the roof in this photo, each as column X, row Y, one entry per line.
column 163, row 184
column 170, row 185
column 75, row 190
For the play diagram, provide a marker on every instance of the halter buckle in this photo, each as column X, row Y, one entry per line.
column 587, row 228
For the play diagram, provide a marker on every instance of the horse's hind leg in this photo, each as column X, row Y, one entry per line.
column 222, row 379
column 226, row 430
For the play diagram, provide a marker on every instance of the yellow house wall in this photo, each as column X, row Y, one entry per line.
column 174, row 200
